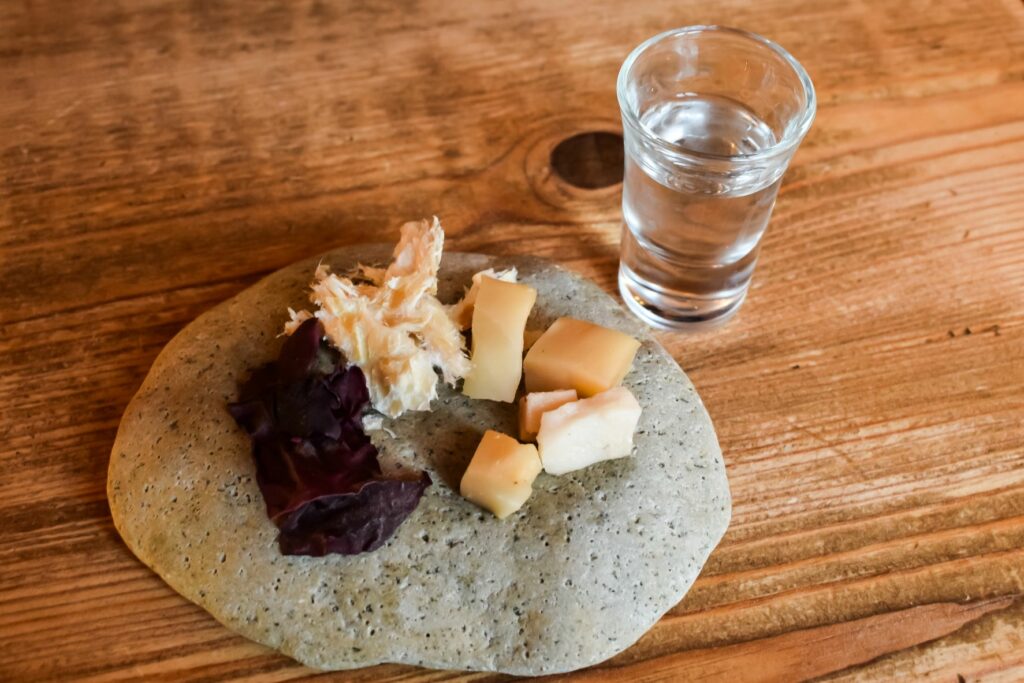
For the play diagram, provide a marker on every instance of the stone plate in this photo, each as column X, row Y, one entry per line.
column 588, row 565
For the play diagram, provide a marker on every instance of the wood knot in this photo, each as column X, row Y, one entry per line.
column 589, row 160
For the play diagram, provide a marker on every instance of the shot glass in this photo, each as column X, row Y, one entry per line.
column 711, row 117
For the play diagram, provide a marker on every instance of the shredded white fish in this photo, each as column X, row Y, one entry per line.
column 295, row 320
column 392, row 326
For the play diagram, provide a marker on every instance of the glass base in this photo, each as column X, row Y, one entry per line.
column 674, row 311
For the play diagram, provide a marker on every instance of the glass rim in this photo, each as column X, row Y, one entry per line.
column 784, row 145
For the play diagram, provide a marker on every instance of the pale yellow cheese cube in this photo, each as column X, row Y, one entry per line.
column 532, row 406
column 574, row 354
column 500, row 475
column 499, row 319
column 587, row 431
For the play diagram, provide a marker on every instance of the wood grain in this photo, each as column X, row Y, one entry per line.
column 158, row 157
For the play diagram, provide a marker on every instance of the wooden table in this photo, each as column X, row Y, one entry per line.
column 157, row 157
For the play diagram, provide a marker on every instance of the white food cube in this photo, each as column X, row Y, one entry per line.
column 500, row 475
column 499, row 319
column 587, row 431
column 576, row 354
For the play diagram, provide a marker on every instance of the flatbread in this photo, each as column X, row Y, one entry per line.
column 588, row 565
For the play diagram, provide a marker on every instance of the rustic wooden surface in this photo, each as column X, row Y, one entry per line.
column 156, row 157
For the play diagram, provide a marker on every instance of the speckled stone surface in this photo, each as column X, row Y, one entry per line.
column 591, row 561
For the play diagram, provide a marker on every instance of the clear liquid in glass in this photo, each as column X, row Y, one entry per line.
column 689, row 247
